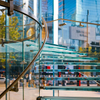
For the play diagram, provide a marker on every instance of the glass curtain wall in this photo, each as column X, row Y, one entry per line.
column 77, row 10
column 47, row 13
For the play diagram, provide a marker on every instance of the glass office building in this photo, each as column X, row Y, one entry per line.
column 50, row 12
column 47, row 13
column 78, row 10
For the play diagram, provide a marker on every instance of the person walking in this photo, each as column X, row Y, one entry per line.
column 27, row 80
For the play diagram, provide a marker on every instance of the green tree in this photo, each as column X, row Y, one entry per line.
column 13, row 33
column 13, row 29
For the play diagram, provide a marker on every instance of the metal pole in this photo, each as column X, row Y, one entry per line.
column 87, row 29
column 23, row 53
column 53, row 43
column 62, row 30
column 23, row 57
column 53, row 80
column 40, row 39
column 58, row 93
column 7, row 54
column 87, row 45
column 62, row 35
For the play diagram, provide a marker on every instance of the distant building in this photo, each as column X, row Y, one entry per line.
column 79, row 10
column 50, row 12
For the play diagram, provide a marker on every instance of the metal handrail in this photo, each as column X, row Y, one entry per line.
column 73, row 21
column 20, row 40
column 27, row 68
column 22, row 11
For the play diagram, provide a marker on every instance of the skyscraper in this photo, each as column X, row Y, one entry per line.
column 50, row 12
column 79, row 10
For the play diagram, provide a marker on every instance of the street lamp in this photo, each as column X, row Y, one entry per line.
column 81, row 25
column 2, row 10
column 28, row 6
column 22, row 5
column 62, row 24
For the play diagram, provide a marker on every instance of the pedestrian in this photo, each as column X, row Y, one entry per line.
column 27, row 80
column 30, row 79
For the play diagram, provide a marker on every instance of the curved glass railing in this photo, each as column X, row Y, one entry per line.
column 17, row 61
column 14, row 85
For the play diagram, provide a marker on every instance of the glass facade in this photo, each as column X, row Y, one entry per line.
column 83, row 6
column 69, row 8
column 61, row 8
column 77, row 10
column 47, row 13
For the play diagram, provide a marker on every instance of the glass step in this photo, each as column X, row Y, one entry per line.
column 70, row 70
column 71, row 78
column 70, row 63
column 82, row 88
column 69, row 98
column 70, row 58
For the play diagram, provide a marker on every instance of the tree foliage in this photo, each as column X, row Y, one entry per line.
column 12, row 32
column 12, row 29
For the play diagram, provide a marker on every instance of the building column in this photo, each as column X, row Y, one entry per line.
column 55, row 24
column 35, row 8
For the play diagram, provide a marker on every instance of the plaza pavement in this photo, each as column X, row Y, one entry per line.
column 31, row 93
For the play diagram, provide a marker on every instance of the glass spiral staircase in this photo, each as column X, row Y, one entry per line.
column 51, row 67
